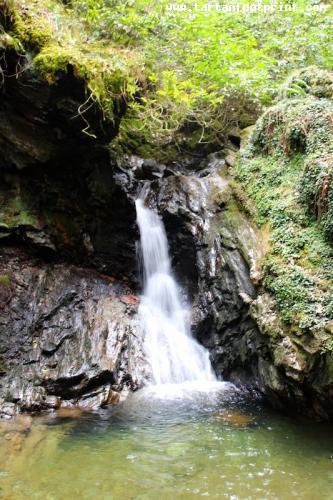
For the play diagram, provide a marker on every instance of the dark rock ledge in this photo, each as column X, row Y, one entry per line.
column 68, row 336
column 68, row 251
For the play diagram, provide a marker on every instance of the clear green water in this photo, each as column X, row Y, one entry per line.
column 212, row 444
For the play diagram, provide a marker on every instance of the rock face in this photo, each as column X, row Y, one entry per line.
column 58, row 193
column 68, row 336
column 67, row 332
column 218, row 255
column 75, row 211
column 40, row 123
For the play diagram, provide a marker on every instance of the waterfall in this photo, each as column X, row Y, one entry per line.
column 174, row 356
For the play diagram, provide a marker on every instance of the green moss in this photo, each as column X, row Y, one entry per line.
column 57, row 42
column 16, row 212
column 282, row 170
column 8, row 42
column 32, row 28
column 328, row 347
column 108, row 77
column 4, row 280
column 299, row 132
column 243, row 201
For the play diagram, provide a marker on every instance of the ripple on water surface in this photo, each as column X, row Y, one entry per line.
column 165, row 443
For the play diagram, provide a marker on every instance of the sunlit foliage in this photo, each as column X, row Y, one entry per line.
column 179, row 65
column 199, row 59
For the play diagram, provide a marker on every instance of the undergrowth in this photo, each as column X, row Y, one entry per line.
column 196, row 74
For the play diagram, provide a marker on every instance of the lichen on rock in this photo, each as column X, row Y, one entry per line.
column 286, row 169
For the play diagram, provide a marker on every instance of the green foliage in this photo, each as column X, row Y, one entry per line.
column 282, row 169
column 207, row 70
column 310, row 81
column 200, row 71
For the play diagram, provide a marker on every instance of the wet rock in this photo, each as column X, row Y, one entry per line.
column 131, row 300
column 7, row 409
column 152, row 169
column 234, row 136
column 104, row 396
column 69, row 412
column 142, row 169
column 66, row 226
column 205, row 229
column 218, row 256
column 66, row 337
column 52, row 402
column 76, row 212
column 246, row 133
column 235, row 418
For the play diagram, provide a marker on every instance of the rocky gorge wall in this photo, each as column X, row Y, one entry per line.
column 219, row 255
column 68, row 251
column 69, row 280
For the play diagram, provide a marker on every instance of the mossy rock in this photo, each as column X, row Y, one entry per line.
column 300, row 131
column 309, row 81
column 4, row 280
column 56, row 43
column 6, row 291
column 286, row 169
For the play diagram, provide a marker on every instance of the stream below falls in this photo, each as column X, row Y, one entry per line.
column 185, row 435
column 171, row 444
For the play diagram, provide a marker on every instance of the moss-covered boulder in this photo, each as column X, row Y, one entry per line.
column 286, row 169
column 300, row 128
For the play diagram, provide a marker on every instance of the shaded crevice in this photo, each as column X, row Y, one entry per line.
column 51, row 351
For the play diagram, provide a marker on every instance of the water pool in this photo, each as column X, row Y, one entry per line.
column 168, row 445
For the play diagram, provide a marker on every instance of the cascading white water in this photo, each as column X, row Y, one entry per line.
column 174, row 356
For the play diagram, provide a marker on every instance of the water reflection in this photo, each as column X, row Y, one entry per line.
column 211, row 443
